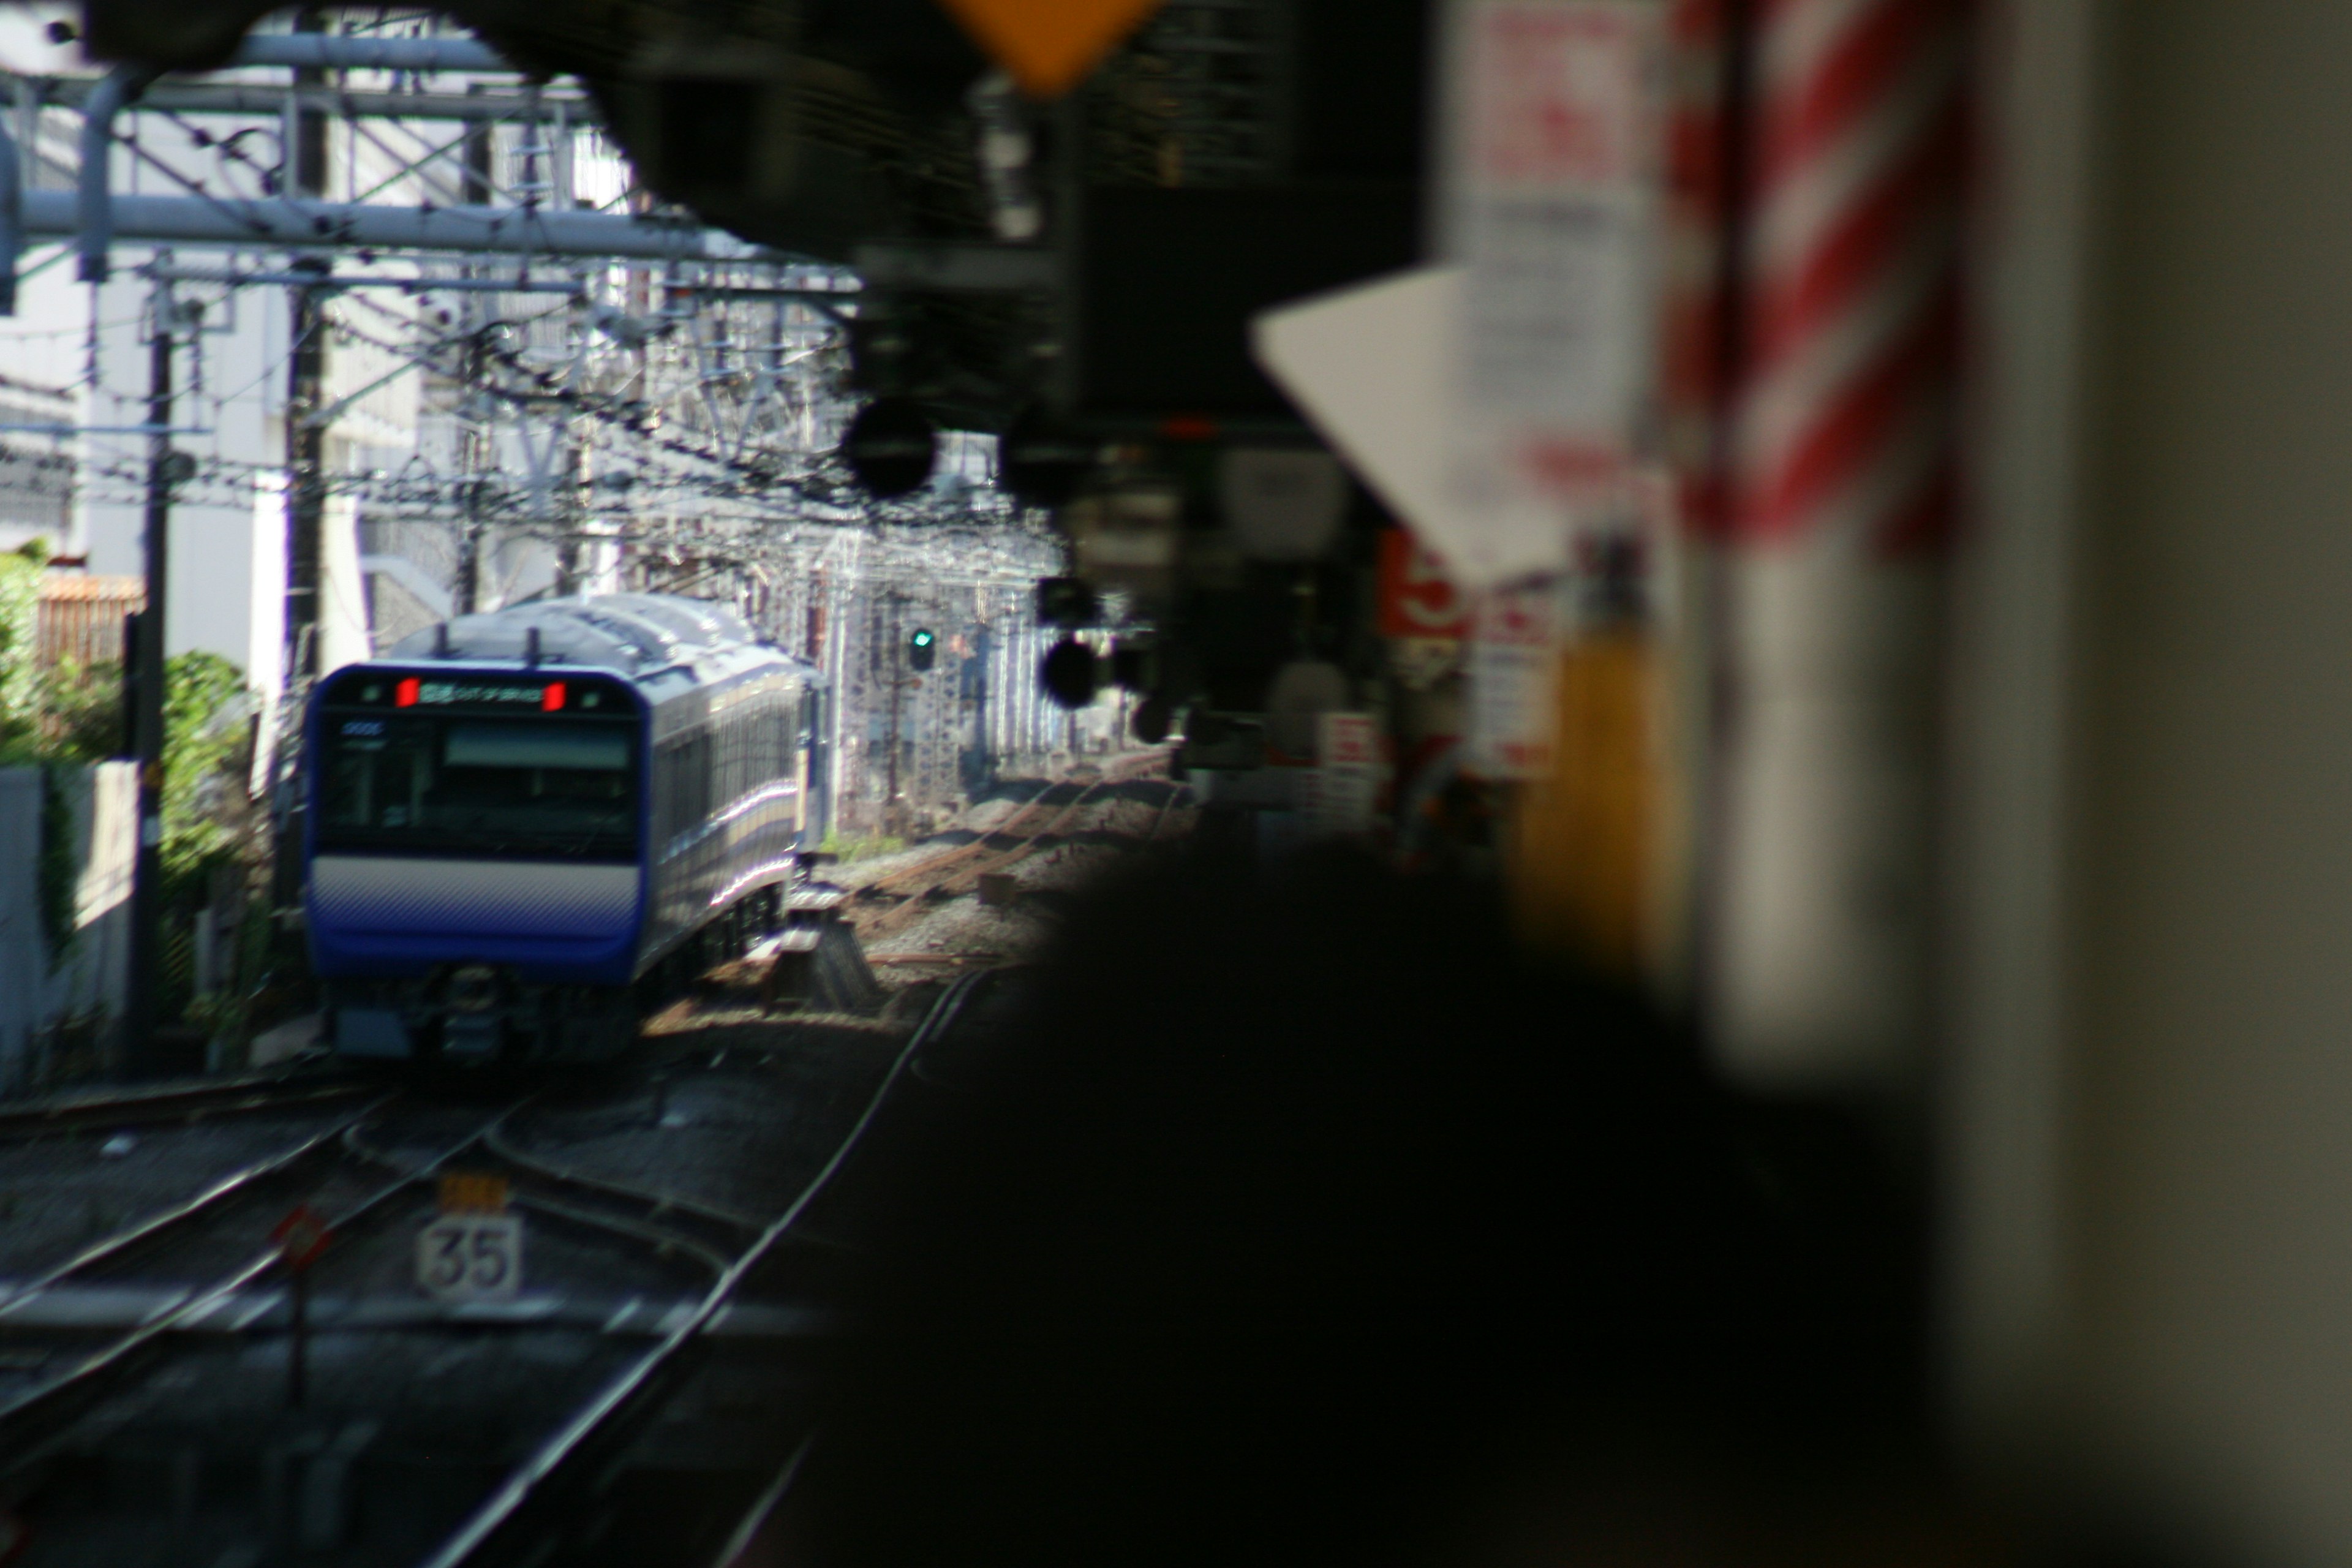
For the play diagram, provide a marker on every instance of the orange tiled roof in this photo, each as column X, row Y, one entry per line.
column 67, row 588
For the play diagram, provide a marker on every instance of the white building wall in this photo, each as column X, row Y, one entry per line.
column 229, row 528
column 226, row 414
column 343, row 592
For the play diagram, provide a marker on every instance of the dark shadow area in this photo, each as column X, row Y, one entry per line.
column 1285, row 1218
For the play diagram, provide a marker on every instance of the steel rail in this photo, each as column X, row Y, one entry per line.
column 179, row 1214
column 499, row 1145
column 638, row 1230
column 235, row 1097
column 974, row 861
column 1019, row 852
column 739, row 1540
column 481, row 1531
column 992, row 859
column 944, row 872
column 916, row 873
column 1167, row 807
column 635, row 1227
column 49, row 1401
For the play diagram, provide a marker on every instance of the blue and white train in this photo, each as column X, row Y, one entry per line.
column 515, row 822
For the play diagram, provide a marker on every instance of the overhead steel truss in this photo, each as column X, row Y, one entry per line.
column 708, row 411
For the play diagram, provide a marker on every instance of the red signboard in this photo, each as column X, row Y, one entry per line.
column 1416, row 598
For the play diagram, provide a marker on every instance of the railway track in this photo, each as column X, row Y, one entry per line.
column 79, row 1174
column 541, row 1511
column 180, row 1102
column 890, row 904
column 232, row 1211
column 1159, row 819
column 995, row 854
column 164, row 1342
column 913, row 880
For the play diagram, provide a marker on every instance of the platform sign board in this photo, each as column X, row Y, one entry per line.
column 1345, row 784
column 1492, row 400
column 1551, row 160
column 1514, row 671
column 1416, row 597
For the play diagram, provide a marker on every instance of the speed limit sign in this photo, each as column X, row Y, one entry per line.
column 470, row 1257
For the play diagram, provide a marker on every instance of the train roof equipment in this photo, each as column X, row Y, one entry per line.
column 652, row 638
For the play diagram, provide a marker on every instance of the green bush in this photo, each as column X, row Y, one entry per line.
column 20, row 596
column 203, row 742
column 81, row 713
column 72, row 716
column 863, row 847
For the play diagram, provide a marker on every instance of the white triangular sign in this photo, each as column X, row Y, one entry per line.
column 1373, row 368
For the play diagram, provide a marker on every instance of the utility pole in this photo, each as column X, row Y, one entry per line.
column 982, row 772
column 475, row 444
column 165, row 468
column 306, row 488
column 893, row 809
column 306, row 440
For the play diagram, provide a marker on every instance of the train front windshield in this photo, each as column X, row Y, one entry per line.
column 522, row 783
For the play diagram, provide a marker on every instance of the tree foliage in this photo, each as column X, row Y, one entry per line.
column 81, row 713
column 204, row 712
column 71, row 716
column 20, row 593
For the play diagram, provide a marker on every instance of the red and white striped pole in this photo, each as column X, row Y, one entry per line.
column 1814, row 348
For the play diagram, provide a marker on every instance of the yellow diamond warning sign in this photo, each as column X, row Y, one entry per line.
column 1047, row 46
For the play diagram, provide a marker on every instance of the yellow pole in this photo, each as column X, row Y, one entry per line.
column 1584, row 858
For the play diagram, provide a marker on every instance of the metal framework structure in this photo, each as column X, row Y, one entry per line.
column 637, row 398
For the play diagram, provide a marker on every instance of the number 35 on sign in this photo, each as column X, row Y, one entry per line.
column 473, row 1251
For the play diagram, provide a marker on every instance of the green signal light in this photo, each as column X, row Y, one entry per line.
column 924, row 639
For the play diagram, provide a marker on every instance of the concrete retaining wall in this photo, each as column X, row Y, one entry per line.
column 51, row 1002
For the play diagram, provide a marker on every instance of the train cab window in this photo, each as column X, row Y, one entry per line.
column 533, row 789
column 544, row 753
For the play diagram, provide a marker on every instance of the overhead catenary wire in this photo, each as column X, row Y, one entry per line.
column 652, row 424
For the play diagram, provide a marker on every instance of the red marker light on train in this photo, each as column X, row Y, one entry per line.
column 405, row 694
column 550, row 700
